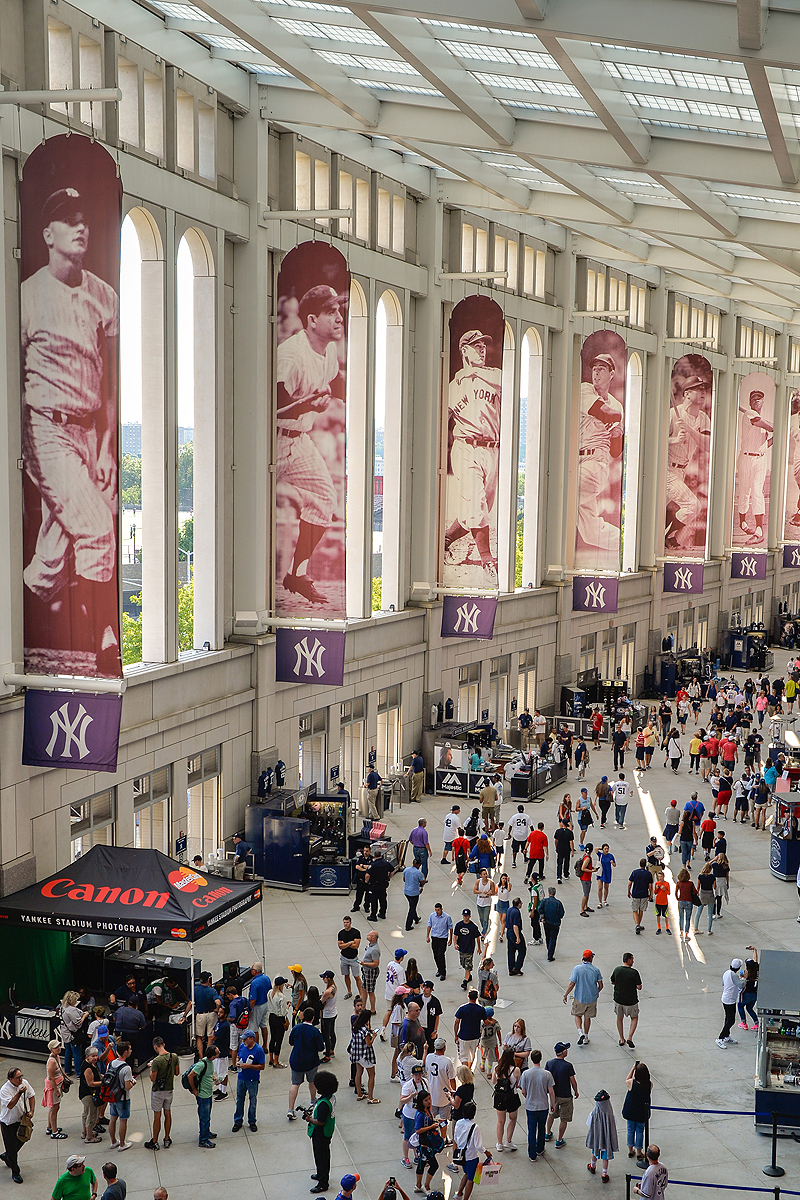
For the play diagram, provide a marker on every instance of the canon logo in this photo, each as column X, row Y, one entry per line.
column 57, row 889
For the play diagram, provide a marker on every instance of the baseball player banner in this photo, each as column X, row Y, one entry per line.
column 311, row 381
column 468, row 617
column 309, row 656
column 683, row 577
column 791, row 555
column 70, row 200
column 791, row 507
column 594, row 594
column 601, row 441
column 688, row 457
column 753, row 460
column 745, row 565
column 71, row 729
column 473, row 444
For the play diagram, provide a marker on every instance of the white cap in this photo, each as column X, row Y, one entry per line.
column 736, row 964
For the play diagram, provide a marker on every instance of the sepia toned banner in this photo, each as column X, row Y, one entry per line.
column 751, row 487
column 688, row 457
column 310, row 390
column 601, row 442
column 594, row 594
column 473, row 444
column 70, row 199
column 791, row 503
column 468, row 617
column 683, row 577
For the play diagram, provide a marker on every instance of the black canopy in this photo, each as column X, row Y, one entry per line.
column 139, row 893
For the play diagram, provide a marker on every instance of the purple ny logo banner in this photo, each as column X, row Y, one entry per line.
column 75, row 730
column 468, row 617
column 683, row 577
column 594, row 594
column 309, row 656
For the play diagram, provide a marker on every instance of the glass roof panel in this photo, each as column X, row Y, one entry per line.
column 226, row 43
column 476, row 50
column 369, row 64
column 181, row 12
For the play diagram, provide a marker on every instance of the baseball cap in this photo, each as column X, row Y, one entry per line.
column 316, row 300
column 472, row 337
column 535, row 876
column 298, row 970
column 58, row 205
column 605, row 360
column 588, row 954
column 326, row 975
column 400, row 952
column 74, row 1160
column 695, row 381
column 102, row 1031
column 439, row 1044
column 756, row 395
column 417, row 1069
column 736, row 964
column 428, row 983
column 489, row 1011
column 402, row 990
column 250, row 1033
column 465, row 912
column 560, row 1047
column 349, row 1181
column 278, row 980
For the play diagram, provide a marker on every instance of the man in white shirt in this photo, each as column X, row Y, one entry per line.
column 441, row 1078
column 538, row 1087
column 450, row 830
column 467, row 1137
column 732, row 984
column 655, row 1179
column 539, row 727
column 498, row 841
column 518, row 829
column 16, row 1098
column 621, row 793
column 395, row 973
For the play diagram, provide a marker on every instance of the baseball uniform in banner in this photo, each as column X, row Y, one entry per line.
column 468, row 616
column 473, row 443
column 753, row 460
column 310, row 390
column 594, row 594
column 71, row 729
column 746, row 565
column 70, row 200
column 309, row 656
column 601, row 441
column 791, row 509
column 688, row 457
column 683, row 577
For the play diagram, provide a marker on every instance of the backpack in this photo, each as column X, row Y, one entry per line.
column 111, row 1090
column 185, row 1076
column 471, row 827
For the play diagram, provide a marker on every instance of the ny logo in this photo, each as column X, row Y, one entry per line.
column 683, row 579
column 795, row 556
column 748, row 566
column 467, row 618
column 74, row 731
column 310, row 656
column 595, row 595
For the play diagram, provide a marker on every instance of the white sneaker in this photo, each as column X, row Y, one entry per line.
column 731, row 1041
column 510, row 1146
column 124, row 1146
column 721, row 1042
column 499, row 1146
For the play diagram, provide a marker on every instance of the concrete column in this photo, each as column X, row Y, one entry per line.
column 156, row 606
column 654, row 424
column 723, row 450
column 359, row 465
column 558, row 533
column 10, row 440
column 170, row 435
column 207, row 447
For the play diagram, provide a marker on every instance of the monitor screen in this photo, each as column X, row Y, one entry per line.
column 231, row 970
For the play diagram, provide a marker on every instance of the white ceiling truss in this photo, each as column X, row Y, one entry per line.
column 666, row 133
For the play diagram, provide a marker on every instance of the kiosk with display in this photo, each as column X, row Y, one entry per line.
column 777, row 1079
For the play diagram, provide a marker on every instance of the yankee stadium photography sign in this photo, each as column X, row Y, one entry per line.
column 310, row 389
column 473, row 443
column 601, row 441
column 751, row 490
column 70, row 200
column 688, row 457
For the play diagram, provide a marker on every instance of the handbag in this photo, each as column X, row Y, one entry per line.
column 25, row 1128
column 488, row 1173
column 459, row 1153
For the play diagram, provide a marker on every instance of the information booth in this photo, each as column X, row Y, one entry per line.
column 777, row 1077
column 784, row 851
column 329, row 865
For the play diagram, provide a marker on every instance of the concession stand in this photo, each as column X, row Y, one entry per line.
column 111, row 893
column 777, row 1076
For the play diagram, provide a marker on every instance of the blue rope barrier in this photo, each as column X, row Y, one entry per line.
column 728, row 1112
column 726, row 1187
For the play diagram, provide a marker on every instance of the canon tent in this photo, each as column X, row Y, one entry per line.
column 135, row 893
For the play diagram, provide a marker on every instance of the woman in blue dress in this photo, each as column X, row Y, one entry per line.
column 605, row 861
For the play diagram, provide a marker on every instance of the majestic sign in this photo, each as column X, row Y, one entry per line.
column 791, row 556
column 601, row 441
column 688, row 457
column 310, row 656
column 594, row 594
column 683, row 577
column 751, row 488
column 454, row 782
column 745, row 565
column 473, row 443
column 468, row 617
column 71, row 729
column 310, row 389
column 70, row 201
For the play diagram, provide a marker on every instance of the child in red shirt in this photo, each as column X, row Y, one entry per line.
column 661, row 891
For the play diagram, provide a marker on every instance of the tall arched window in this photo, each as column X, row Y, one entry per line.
column 387, row 453
column 142, row 491
column 630, row 476
column 198, row 609
column 505, row 484
column 528, row 460
column 359, row 462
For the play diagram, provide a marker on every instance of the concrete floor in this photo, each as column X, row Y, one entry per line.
column 680, row 1018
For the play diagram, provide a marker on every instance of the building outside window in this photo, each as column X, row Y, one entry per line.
column 609, row 653
column 469, row 684
column 526, row 684
column 672, row 628
column 627, row 661
column 151, row 810
column 314, row 748
column 203, row 802
column 92, row 822
column 687, row 637
column 352, row 740
column 588, row 658
column 702, row 628
column 388, row 747
column 758, row 607
column 499, row 671
column 747, row 615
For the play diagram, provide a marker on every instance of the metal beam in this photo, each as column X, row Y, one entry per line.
column 586, row 72
column 417, row 46
column 615, row 239
column 247, row 20
column 585, row 183
column 695, row 248
column 751, row 19
column 780, row 133
column 698, row 197
column 361, row 149
column 533, row 10
column 474, row 170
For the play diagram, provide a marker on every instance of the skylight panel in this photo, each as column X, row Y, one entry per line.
column 353, row 33
column 701, row 108
column 227, row 43
column 182, row 12
column 395, row 65
column 507, row 81
column 303, row 28
column 669, row 103
column 640, row 74
column 454, row 25
column 309, row 4
column 475, row 50
column 386, row 86
column 551, row 88
column 533, row 58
